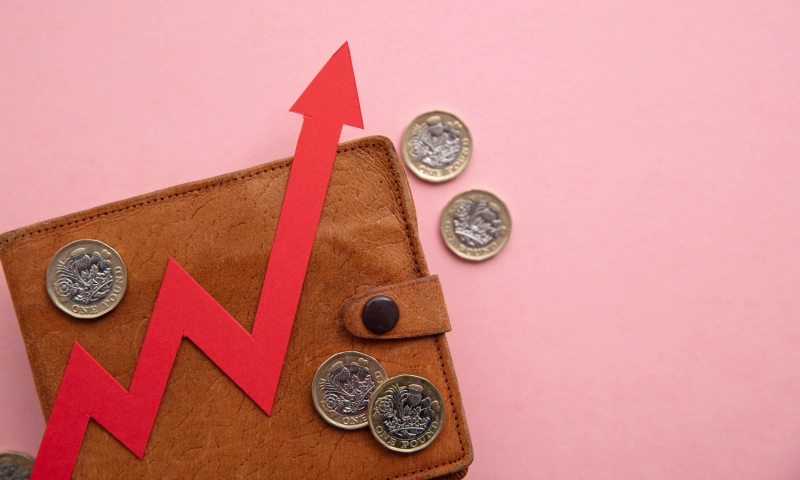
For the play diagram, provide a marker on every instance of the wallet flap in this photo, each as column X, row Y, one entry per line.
column 420, row 303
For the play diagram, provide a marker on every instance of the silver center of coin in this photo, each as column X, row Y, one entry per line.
column 347, row 388
column 15, row 466
column 405, row 412
column 85, row 278
column 476, row 223
column 437, row 144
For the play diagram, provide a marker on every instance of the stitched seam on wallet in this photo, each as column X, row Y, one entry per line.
column 414, row 255
column 272, row 168
column 409, row 238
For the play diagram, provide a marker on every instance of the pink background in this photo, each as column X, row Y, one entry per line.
column 643, row 321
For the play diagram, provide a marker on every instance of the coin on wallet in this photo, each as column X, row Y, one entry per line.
column 406, row 413
column 86, row 278
column 15, row 466
column 343, row 386
column 475, row 225
column 437, row 146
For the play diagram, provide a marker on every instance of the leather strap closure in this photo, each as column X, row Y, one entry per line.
column 421, row 304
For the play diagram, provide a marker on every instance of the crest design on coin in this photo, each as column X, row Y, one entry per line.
column 348, row 387
column 406, row 413
column 15, row 466
column 86, row 278
column 437, row 146
column 343, row 387
column 475, row 225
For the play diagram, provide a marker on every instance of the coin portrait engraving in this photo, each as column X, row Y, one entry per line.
column 437, row 146
column 406, row 413
column 86, row 279
column 15, row 466
column 475, row 225
column 343, row 387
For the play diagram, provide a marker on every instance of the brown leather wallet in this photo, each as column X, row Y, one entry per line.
column 220, row 230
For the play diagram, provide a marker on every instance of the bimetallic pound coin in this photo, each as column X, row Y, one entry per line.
column 86, row 278
column 343, row 386
column 437, row 146
column 406, row 413
column 475, row 225
column 15, row 466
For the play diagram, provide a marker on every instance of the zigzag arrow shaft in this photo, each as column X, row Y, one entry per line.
column 184, row 309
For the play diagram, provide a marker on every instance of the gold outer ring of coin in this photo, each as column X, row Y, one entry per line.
column 427, row 390
column 427, row 172
column 347, row 422
column 22, row 464
column 103, row 304
column 479, row 252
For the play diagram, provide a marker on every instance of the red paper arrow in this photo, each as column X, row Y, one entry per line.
column 184, row 309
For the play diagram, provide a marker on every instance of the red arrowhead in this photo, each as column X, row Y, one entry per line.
column 332, row 94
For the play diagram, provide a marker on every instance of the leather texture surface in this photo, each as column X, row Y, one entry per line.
column 421, row 304
column 220, row 230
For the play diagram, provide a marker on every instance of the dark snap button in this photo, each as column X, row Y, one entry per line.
column 380, row 314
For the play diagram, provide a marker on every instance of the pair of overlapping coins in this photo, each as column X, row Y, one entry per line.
column 351, row 390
